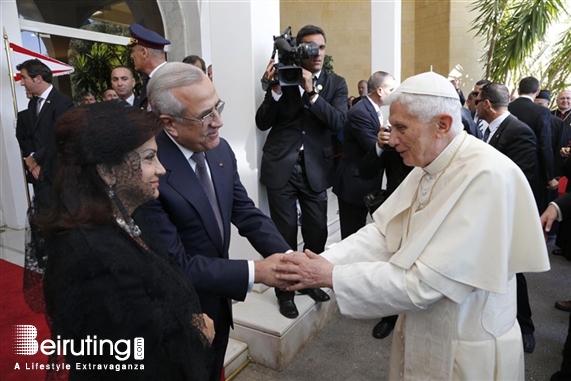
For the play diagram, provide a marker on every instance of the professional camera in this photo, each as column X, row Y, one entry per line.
column 288, row 70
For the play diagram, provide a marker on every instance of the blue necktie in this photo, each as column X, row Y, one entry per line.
column 208, row 186
column 486, row 134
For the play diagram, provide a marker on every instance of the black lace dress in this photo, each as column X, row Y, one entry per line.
column 100, row 282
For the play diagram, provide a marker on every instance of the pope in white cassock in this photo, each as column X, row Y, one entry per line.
column 443, row 249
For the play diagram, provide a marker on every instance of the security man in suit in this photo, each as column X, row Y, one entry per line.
column 516, row 140
column 44, row 109
column 297, row 161
column 364, row 121
column 148, row 54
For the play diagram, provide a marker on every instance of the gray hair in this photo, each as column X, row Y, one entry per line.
column 377, row 80
column 168, row 77
column 426, row 107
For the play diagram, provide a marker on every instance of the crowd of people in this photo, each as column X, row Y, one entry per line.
column 135, row 198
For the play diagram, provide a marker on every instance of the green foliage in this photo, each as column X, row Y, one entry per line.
column 327, row 64
column 93, row 61
column 514, row 33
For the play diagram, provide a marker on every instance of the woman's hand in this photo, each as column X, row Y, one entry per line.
column 208, row 329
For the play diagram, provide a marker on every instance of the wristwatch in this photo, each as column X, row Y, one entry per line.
column 312, row 93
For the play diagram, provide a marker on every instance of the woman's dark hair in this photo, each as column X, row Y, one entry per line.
column 100, row 133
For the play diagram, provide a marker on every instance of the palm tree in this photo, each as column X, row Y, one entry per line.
column 515, row 35
column 93, row 62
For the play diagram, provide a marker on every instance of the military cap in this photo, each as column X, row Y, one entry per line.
column 143, row 36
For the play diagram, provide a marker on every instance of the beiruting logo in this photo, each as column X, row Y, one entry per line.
column 25, row 343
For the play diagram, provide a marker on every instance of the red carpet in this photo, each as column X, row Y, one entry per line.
column 15, row 311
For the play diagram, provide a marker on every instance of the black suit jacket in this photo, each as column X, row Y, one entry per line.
column 558, row 139
column 294, row 123
column 564, row 203
column 517, row 141
column 391, row 161
column 189, row 229
column 538, row 118
column 24, row 132
column 42, row 133
column 360, row 136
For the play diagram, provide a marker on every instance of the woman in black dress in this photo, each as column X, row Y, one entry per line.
column 107, row 277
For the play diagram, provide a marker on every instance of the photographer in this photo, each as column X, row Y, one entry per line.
column 297, row 163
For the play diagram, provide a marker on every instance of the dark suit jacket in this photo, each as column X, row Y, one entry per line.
column 517, row 141
column 391, row 161
column 564, row 203
column 558, row 139
column 360, row 133
column 23, row 132
column 189, row 229
column 42, row 132
column 294, row 123
column 537, row 117
column 141, row 101
column 469, row 124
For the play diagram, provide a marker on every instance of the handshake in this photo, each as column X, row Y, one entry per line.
column 294, row 271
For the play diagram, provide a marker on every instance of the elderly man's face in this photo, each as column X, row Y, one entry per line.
column 542, row 102
column 200, row 100
column 564, row 100
column 137, row 55
column 414, row 141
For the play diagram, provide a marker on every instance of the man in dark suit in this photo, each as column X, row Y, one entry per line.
column 44, row 109
column 560, row 210
column 558, row 139
column 517, row 141
column 201, row 195
column 123, row 83
column 148, row 54
column 362, row 89
column 539, row 120
column 297, row 164
column 360, row 135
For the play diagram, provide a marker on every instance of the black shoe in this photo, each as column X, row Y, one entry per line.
column 382, row 329
column 528, row 342
column 557, row 252
column 288, row 308
column 316, row 294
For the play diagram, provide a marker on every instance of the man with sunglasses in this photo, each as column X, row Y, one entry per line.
column 517, row 141
column 201, row 196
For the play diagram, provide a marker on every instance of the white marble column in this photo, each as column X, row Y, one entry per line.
column 13, row 204
column 386, row 20
column 386, row 37
column 241, row 34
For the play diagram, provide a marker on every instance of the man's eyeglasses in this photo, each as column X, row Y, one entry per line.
column 474, row 93
column 476, row 101
column 208, row 118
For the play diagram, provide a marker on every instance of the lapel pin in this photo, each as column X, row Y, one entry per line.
column 220, row 164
